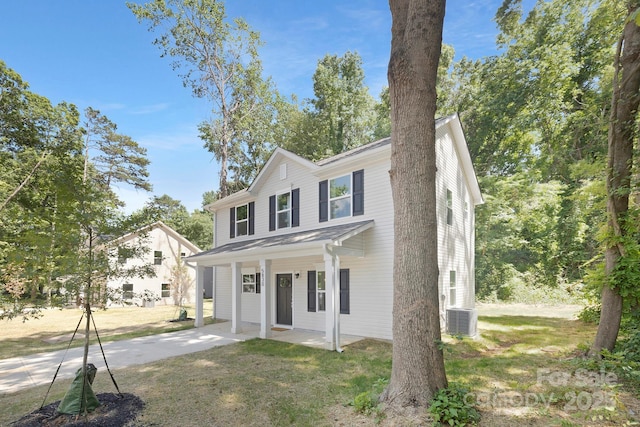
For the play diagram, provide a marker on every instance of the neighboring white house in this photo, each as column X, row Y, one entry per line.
column 310, row 245
column 166, row 248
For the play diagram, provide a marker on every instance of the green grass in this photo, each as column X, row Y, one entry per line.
column 271, row 383
column 54, row 329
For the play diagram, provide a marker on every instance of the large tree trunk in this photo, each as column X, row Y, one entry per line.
column 418, row 363
column 622, row 132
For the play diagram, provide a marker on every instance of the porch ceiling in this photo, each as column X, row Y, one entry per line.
column 302, row 243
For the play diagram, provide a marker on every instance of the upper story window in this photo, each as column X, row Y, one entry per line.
column 284, row 210
column 157, row 257
column 342, row 196
column 283, row 206
column 241, row 220
column 449, row 207
column 452, row 288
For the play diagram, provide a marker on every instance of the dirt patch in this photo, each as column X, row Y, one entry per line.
column 115, row 410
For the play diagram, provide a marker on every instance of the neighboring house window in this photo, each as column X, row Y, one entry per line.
column 241, row 220
column 316, row 291
column 166, row 290
column 342, row 196
column 449, row 207
column 452, row 288
column 182, row 254
column 284, row 210
column 127, row 290
column 157, row 257
column 123, row 255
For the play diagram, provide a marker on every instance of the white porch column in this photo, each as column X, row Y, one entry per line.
column 199, row 296
column 265, row 298
column 330, row 284
column 236, row 297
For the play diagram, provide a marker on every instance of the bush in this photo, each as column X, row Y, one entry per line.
column 449, row 407
column 367, row 402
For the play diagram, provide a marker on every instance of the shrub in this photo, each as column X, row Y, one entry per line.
column 449, row 407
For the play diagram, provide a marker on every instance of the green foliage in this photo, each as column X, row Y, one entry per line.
column 218, row 59
column 57, row 208
column 449, row 407
column 368, row 402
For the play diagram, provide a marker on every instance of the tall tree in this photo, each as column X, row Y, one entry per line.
column 622, row 135
column 418, row 365
column 117, row 158
column 219, row 61
column 341, row 115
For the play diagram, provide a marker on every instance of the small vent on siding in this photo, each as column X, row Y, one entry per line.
column 283, row 171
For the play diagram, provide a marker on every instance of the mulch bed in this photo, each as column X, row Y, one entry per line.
column 115, row 410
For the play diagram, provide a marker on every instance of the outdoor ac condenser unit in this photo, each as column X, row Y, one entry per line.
column 462, row 321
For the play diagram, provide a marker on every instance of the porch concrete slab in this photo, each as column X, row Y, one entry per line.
column 39, row 369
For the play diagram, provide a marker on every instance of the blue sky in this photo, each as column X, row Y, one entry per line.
column 95, row 53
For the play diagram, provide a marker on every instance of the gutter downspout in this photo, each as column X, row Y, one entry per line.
column 214, row 270
column 336, row 301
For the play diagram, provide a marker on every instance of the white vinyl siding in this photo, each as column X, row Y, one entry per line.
column 371, row 276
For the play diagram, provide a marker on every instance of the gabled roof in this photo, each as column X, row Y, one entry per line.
column 364, row 150
column 161, row 225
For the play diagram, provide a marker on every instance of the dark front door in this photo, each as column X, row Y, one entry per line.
column 284, row 284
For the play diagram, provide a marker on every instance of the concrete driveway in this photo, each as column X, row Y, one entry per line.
column 28, row 371
column 19, row 373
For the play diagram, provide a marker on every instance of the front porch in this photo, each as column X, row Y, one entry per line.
column 304, row 337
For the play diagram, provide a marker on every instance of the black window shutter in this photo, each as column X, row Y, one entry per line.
column 295, row 207
column 358, row 192
column 258, row 283
column 311, row 291
column 344, row 291
column 252, row 208
column 272, row 213
column 324, row 201
column 232, row 223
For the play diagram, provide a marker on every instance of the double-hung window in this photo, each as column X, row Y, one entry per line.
column 284, row 209
column 283, row 206
column 250, row 281
column 166, row 290
column 157, row 257
column 452, row 288
column 241, row 220
column 317, row 294
column 449, row 207
column 342, row 196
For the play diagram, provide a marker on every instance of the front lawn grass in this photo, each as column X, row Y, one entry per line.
column 54, row 329
column 521, row 371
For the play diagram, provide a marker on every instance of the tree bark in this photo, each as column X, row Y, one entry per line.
column 622, row 132
column 418, row 365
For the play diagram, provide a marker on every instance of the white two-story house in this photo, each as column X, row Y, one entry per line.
column 310, row 245
column 166, row 252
